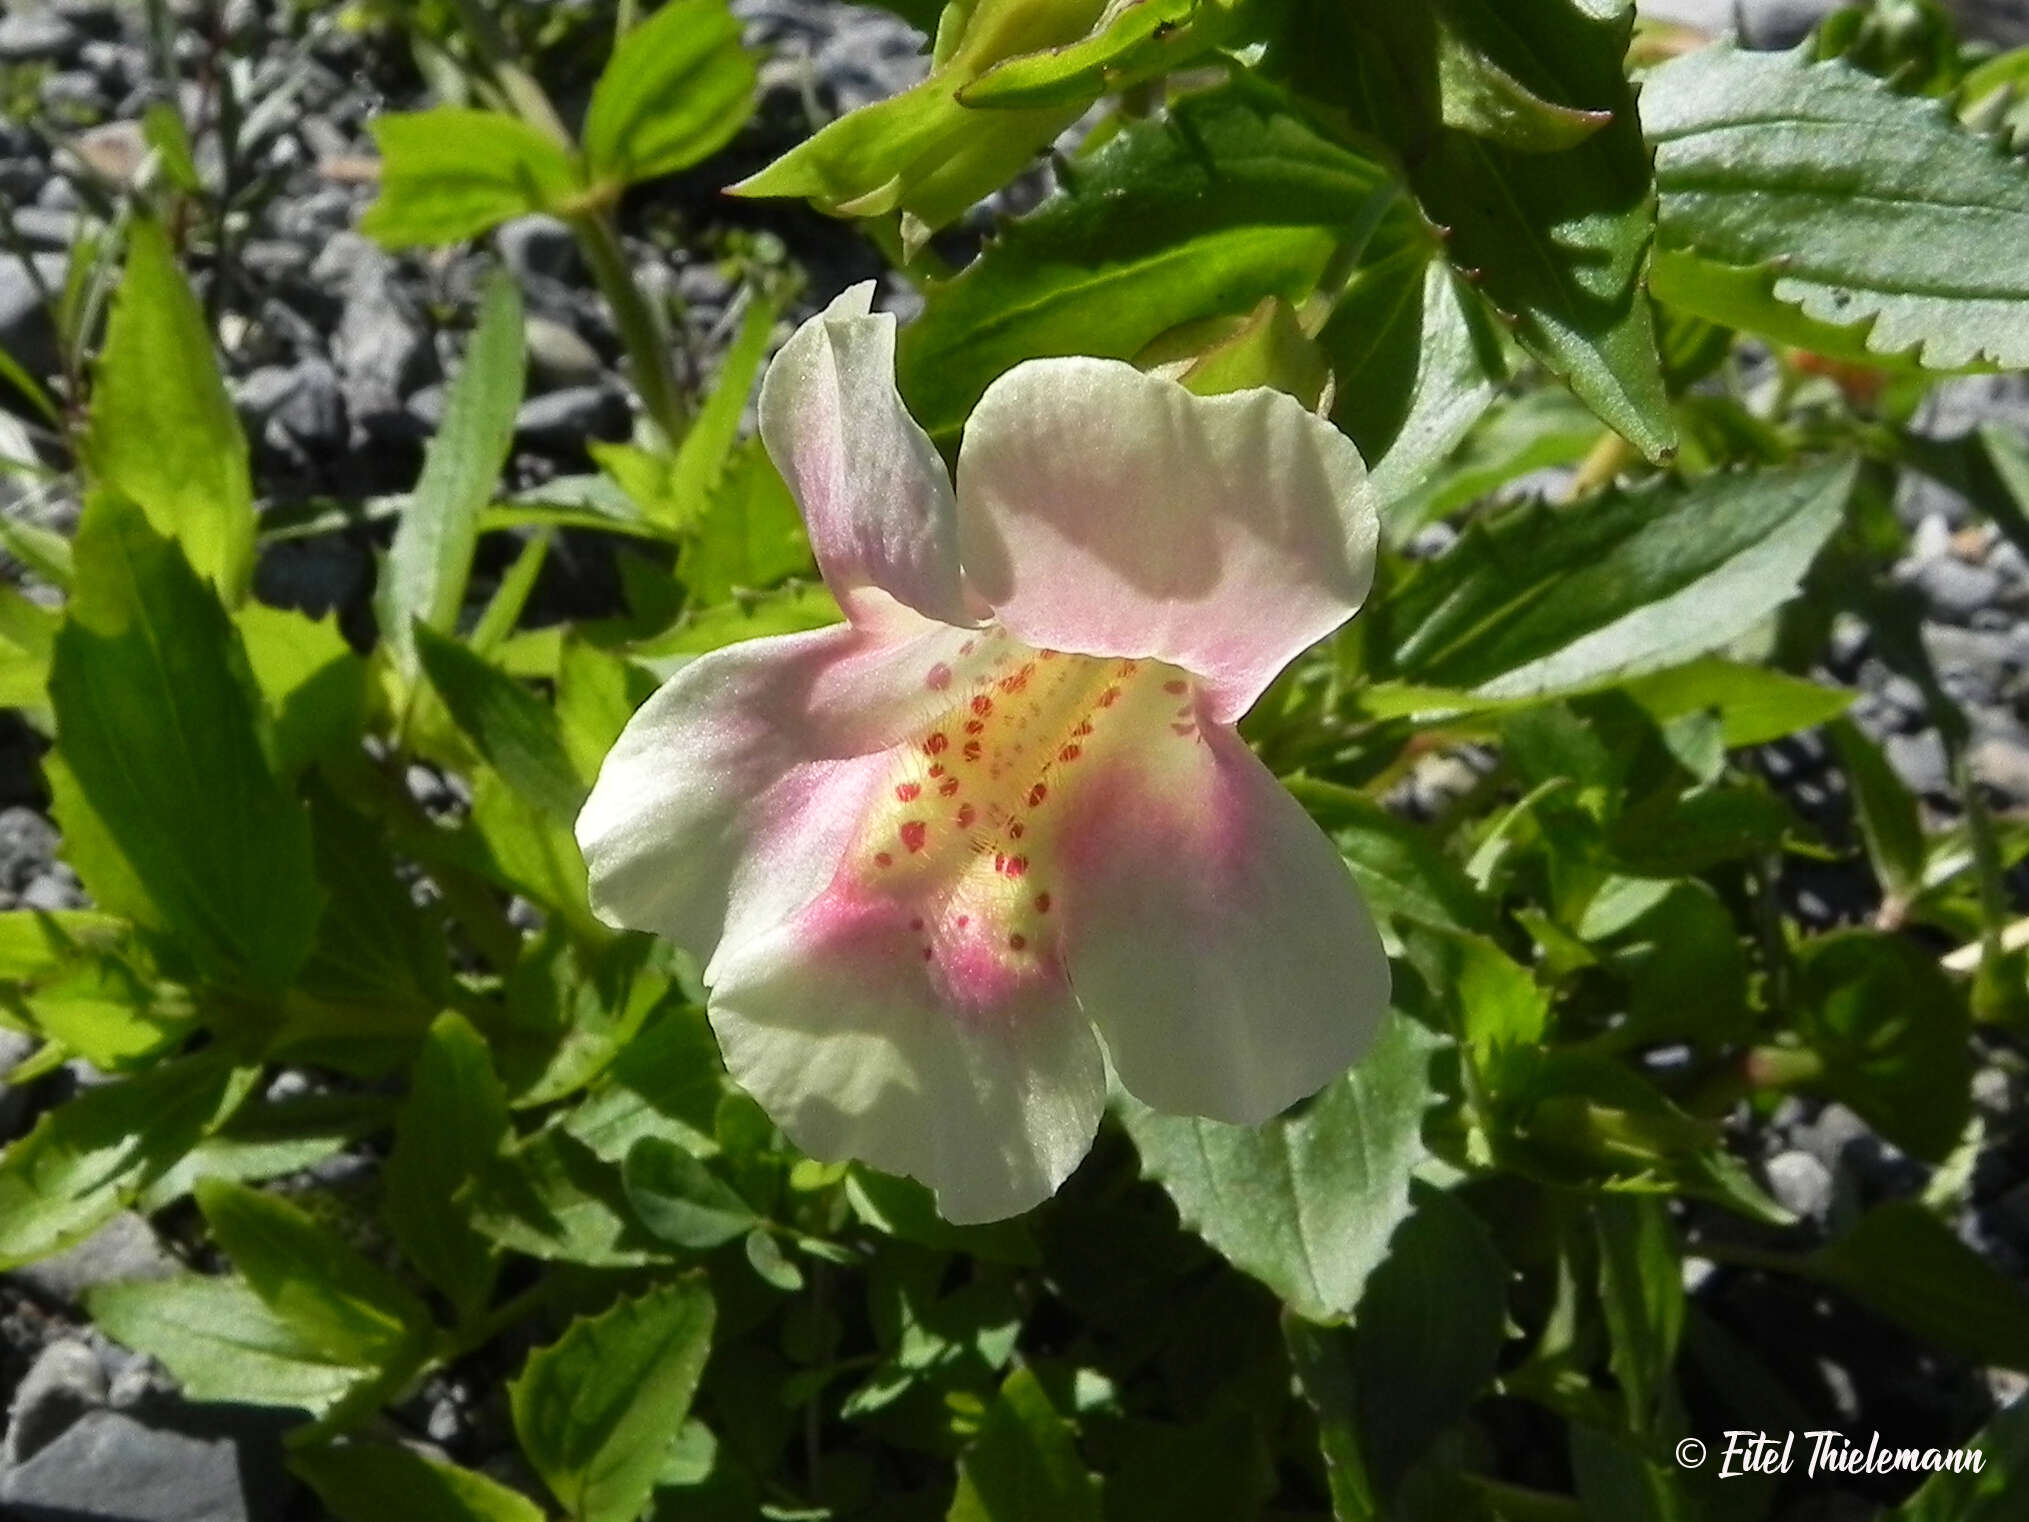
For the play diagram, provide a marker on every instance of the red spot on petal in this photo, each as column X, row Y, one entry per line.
column 909, row 791
column 926, row 953
column 1046, row 655
column 939, row 677
column 964, row 920
column 1017, row 829
column 1016, row 866
column 1176, row 686
column 1083, row 729
column 883, row 859
column 972, row 750
column 936, row 768
column 966, row 814
column 967, row 647
column 1017, row 942
column 973, row 726
column 982, row 705
column 1109, row 697
column 1070, row 753
column 1042, row 903
column 914, row 834
column 1037, row 794
column 948, row 786
column 1185, row 729
column 915, row 924
column 936, row 743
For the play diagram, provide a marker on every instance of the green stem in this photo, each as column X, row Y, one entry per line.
column 648, row 348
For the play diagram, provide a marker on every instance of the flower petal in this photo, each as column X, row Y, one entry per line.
column 729, row 797
column 874, row 493
column 1213, row 934
column 831, row 1023
column 1113, row 513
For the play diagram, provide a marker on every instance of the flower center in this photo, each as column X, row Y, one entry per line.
column 968, row 833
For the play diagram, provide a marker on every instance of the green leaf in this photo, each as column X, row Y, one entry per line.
column 1614, row 1479
column 751, row 535
column 223, row 1343
column 1906, row 1264
column 99, row 1008
column 707, row 450
column 1557, row 240
column 87, row 1158
column 1544, row 599
column 517, row 733
column 163, row 736
column 1535, row 431
column 1229, row 199
column 163, row 430
column 923, row 152
column 1024, row 1465
column 310, row 680
column 550, row 1197
column 597, row 1410
column 1987, row 1494
column 680, row 1199
column 1396, row 862
column 1761, row 162
column 677, row 87
column 1131, row 44
column 450, row 173
column 1893, row 1033
column 265, row 1139
column 341, row 1305
column 666, row 1082
column 431, row 556
column 370, row 1482
column 1307, row 1202
column 1755, row 704
column 1641, row 1291
column 1888, row 816
column 449, row 1130
column 1414, row 367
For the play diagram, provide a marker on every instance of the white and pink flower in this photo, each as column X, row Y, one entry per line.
column 925, row 853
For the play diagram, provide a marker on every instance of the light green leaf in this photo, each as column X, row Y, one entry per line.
column 431, row 557
column 450, row 1128
column 1821, row 187
column 162, row 733
column 1229, row 199
column 163, row 430
column 450, row 173
column 342, row 1306
column 310, row 680
column 706, row 453
column 1543, row 599
column 371, row 1482
column 1024, row 1465
column 677, row 87
column 1131, row 44
column 1534, row 431
column 597, row 1410
column 223, row 1343
column 666, row 1082
column 507, row 724
column 1307, row 1202
column 751, row 535
column 87, row 1158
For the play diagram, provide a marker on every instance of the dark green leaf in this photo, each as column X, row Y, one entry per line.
column 551, row 1197
column 1641, row 1290
column 1886, row 809
column 751, row 535
column 1024, row 1465
column 163, row 431
column 1229, row 199
column 597, row 1410
column 1893, row 1032
column 676, row 88
column 451, row 1127
column 162, row 731
column 1905, row 1263
column 1779, row 181
column 1542, row 599
column 1307, row 1202
column 451, row 173
column 666, row 1082
column 1987, row 1494
column 1397, row 863
column 680, row 1199
column 507, row 724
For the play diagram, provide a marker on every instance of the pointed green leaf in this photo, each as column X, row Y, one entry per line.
column 676, row 88
column 452, row 172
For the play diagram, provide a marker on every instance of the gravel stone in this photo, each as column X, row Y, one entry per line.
column 54, row 891
column 538, row 246
column 36, row 35
column 14, row 1046
column 260, row 393
column 562, row 422
column 1802, row 1184
column 558, row 357
column 1956, row 590
column 1920, row 758
column 28, row 845
column 124, row 1248
column 313, row 414
column 110, row 1464
column 65, row 1381
column 25, row 331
